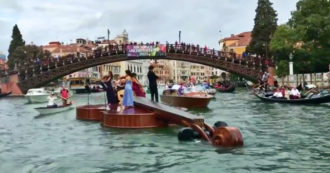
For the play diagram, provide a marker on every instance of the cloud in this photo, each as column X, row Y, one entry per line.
column 146, row 20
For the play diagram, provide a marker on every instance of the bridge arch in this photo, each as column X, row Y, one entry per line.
column 37, row 76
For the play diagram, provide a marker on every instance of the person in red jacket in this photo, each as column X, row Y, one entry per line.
column 64, row 95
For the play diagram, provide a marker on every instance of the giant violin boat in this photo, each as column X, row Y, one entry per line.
column 148, row 114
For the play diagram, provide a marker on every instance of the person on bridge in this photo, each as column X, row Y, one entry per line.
column 128, row 99
column 153, row 84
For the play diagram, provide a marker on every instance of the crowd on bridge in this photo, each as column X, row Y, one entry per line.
column 45, row 65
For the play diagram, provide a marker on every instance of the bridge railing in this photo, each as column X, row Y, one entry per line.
column 28, row 70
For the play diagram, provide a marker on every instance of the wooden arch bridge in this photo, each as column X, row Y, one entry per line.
column 36, row 75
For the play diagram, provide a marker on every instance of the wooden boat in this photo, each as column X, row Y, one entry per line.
column 229, row 89
column 188, row 100
column 4, row 94
column 311, row 100
column 53, row 110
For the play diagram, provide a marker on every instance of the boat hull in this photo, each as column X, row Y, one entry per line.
column 226, row 90
column 186, row 101
column 321, row 99
column 4, row 94
column 132, row 118
column 90, row 112
column 46, row 110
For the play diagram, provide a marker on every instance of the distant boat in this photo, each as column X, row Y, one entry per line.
column 188, row 100
column 37, row 95
column 4, row 94
column 84, row 85
column 311, row 100
column 53, row 110
column 229, row 89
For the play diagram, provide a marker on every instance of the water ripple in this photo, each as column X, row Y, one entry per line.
column 278, row 138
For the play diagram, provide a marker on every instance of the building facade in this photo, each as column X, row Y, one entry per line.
column 3, row 62
column 236, row 43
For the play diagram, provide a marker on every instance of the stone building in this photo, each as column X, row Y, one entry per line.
column 236, row 43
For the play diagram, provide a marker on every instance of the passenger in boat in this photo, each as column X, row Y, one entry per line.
column 282, row 90
column 137, row 87
column 153, row 84
column 128, row 100
column 107, row 86
column 294, row 93
column 64, row 95
column 206, row 85
column 169, row 85
column 181, row 89
column 277, row 94
column 51, row 101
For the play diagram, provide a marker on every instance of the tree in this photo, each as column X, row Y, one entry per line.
column 265, row 24
column 28, row 54
column 311, row 24
column 16, row 41
column 282, row 68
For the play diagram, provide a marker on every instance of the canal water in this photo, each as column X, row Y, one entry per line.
column 277, row 138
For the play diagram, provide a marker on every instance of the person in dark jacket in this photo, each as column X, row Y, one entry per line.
column 153, row 84
column 111, row 95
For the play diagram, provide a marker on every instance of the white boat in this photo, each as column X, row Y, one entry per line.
column 211, row 91
column 53, row 110
column 37, row 95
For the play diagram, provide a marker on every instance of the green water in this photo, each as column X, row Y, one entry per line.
column 277, row 137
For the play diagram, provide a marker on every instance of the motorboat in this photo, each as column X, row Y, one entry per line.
column 81, row 85
column 195, row 99
column 53, row 110
column 37, row 95
column 200, row 88
column 78, row 85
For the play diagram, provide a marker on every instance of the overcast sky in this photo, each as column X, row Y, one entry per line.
column 42, row 21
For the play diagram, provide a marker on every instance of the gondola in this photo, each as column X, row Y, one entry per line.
column 53, row 110
column 4, row 94
column 229, row 89
column 312, row 100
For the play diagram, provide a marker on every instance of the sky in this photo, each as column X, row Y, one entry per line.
column 200, row 22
